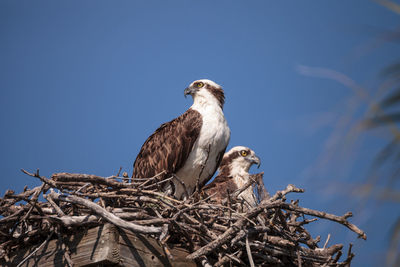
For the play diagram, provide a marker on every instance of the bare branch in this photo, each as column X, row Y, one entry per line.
column 108, row 216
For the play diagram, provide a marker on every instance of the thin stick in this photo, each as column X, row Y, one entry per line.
column 54, row 205
column 327, row 240
column 248, row 250
column 36, row 250
column 299, row 261
column 340, row 219
column 108, row 216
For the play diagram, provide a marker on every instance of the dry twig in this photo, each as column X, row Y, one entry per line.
column 272, row 233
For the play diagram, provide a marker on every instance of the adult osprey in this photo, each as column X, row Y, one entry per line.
column 190, row 146
column 234, row 174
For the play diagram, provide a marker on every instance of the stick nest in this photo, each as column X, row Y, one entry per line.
column 215, row 234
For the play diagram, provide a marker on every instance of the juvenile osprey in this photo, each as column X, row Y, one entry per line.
column 234, row 174
column 190, row 146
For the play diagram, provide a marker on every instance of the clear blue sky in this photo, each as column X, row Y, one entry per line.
column 84, row 83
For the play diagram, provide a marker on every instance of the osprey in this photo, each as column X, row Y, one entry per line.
column 234, row 174
column 190, row 146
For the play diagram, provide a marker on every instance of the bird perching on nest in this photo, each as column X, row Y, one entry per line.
column 190, row 146
column 233, row 174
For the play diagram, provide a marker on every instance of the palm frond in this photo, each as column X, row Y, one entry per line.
column 392, row 100
column 380, row 120
column 383, row 156
column 392, row 71
column 393, row 257
column 390, row 5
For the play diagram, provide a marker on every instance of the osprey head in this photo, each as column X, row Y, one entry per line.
column 239, row 159
column 206, row 91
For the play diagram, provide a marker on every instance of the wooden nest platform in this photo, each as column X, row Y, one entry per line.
column 87, row 220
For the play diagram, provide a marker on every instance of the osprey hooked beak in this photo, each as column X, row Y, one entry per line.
column 190, row 91
column 255, row 160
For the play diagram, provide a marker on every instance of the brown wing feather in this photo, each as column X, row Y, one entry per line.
column 217, row 181
column 220, row 186
column 169, row 146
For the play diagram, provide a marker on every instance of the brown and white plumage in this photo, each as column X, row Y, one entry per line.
column 233, row 173
column 190, row 146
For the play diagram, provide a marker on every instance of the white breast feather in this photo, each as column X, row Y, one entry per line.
column 239, row 171
column 214, row 135
column 248, row 194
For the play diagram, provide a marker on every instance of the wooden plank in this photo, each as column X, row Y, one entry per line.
column 137, row 250
column 103, row 245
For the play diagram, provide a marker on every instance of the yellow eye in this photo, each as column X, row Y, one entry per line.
column 243, row 153
column 199, row 84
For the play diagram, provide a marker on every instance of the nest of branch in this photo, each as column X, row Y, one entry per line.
column 215, row 234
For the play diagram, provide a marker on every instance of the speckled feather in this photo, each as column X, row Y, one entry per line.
column 175, row 148
column 191, row 146
column 231, row 176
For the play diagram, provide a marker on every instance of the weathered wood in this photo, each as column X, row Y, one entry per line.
column 104, row 245
column 44, row 233
column 148, row 252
